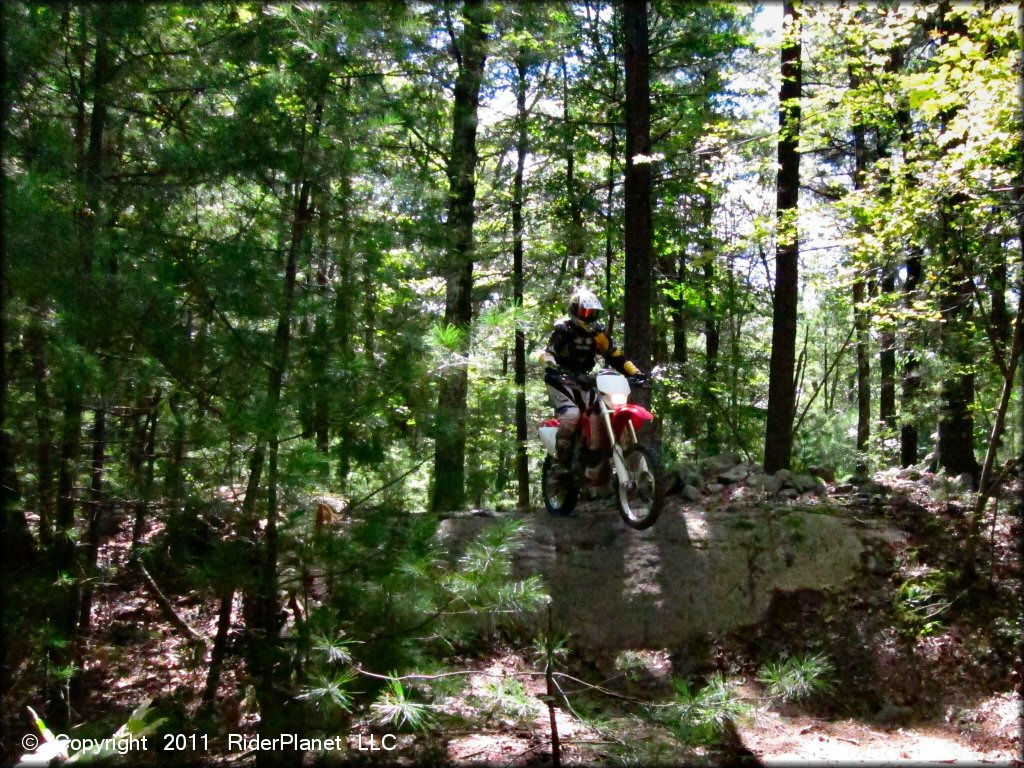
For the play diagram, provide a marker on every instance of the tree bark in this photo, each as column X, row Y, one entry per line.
column 35, row 345
column 219, row 652
column 712, row 343
column 712, row 337
column 860, row 321
column 263, row 622
column 522, row 148
column 860, row 311
column 781, row 386
column 911, row 383
column 147, row 472
column 6, row 458
column 65, row 558
column 97, row 506
column 955, row 446
column 887, row 361
column 575, row 245
column 638, row 186
column 449, row 490
column 613, row 154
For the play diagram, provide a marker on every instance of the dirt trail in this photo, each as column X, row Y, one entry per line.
column 781, row 741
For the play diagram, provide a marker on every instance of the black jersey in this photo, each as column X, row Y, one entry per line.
column 575, row 345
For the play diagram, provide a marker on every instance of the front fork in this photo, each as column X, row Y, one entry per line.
column 618, row 461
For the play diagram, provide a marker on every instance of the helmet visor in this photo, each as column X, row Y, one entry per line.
column 588, row 314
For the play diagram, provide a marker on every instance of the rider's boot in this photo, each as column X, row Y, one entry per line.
column 563, row 456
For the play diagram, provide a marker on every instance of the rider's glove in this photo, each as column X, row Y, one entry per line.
column 553, row 375
column 639, row 379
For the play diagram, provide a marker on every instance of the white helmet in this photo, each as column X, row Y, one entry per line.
column 585, row 306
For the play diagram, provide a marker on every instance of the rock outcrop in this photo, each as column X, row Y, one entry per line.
column 696, row 572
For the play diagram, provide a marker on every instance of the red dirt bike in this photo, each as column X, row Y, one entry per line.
column 605, row 449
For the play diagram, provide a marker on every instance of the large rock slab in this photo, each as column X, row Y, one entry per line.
column 696, row 572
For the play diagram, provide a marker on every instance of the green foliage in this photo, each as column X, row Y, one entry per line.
column 330, row 693
column 395, row 708
column 797, row 678
column 397, row 603
column 507, row 698
column 922, row 601
column 152, row 207
column 699, row 716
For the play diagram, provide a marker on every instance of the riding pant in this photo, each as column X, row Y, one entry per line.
column 568, row 400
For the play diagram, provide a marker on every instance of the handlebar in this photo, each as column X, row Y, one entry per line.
column 554, row 374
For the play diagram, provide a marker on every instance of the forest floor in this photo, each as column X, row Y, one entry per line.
column 939, row 687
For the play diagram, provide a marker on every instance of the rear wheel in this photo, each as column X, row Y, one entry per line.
column 560, row 492
column 641, row 498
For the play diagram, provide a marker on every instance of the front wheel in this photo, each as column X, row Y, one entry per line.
column 641, row 497
column 559, row 490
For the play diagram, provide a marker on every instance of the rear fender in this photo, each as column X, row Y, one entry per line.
column 548, row 432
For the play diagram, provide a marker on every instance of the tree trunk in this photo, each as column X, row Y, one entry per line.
column 610, row 227
column 35, row 345
column 450, row 426
column 860, row 320
column 680, row 353
column 1019, row 193
column 778, row 448
column 66, row 570
column 575, row 245
column 638, row 186
column 712, row 343
column 955, row 448
column 522, row 148
column 262, row 614
column 860, row 311
column 910, row 377
column 97, row 506
column 6, row 458
column 887, row 361
column 144, row 483
column 173, row 486
column 320, row 359
column 345, row 291
column 712, row 339
column 219, row 651
column 911, row 383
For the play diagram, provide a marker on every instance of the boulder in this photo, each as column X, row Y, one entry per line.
column 805, row 483
column 717, row 464
column 828, row 474
column 770, row 484
column 713, row 488
column 699, row 573
column 736, row 474
column 784, row 476
column 690, row 493
column 689, row 475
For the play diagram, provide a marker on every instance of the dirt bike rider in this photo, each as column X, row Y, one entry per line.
column 574, row 343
